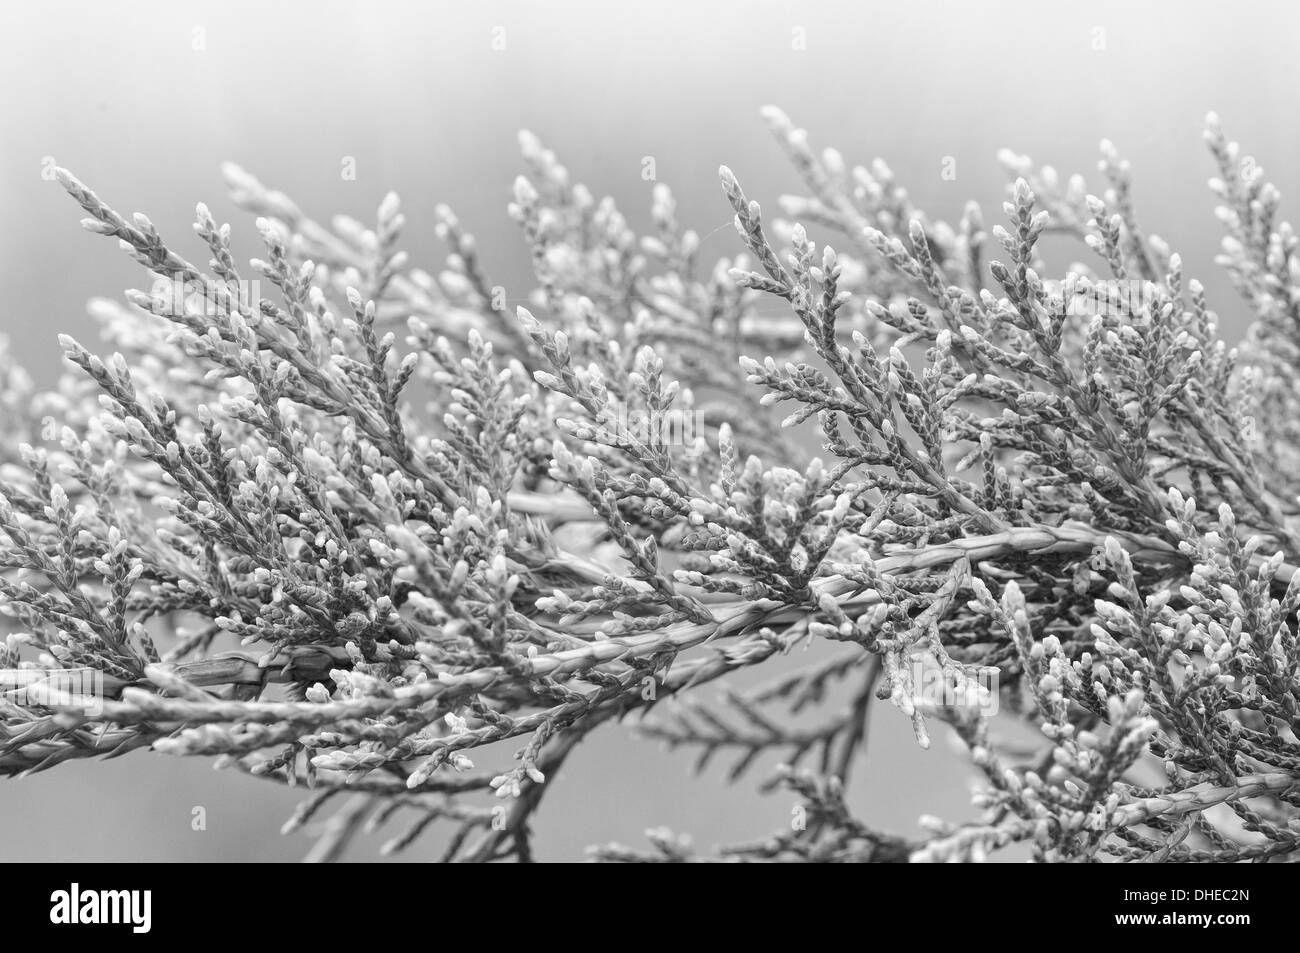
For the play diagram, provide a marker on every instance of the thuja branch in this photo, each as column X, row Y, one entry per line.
column 733, row 617
column 277, row 529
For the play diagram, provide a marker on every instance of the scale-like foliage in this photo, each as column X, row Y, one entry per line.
column 281, row 530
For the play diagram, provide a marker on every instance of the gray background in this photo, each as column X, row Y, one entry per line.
column 415, row 93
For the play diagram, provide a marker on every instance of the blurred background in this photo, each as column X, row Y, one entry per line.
column 143, row 101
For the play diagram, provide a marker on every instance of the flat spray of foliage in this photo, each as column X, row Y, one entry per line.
column 377, row 563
